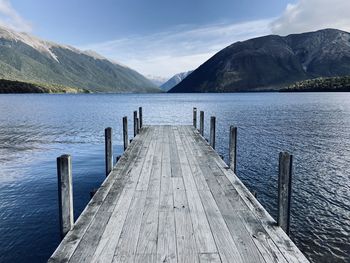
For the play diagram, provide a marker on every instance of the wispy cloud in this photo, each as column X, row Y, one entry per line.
column 309, row 15
column 10, row 18
column 180, row 49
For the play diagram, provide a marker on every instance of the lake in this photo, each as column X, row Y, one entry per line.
column 314, row 127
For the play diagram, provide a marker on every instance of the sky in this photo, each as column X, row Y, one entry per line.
column 160, row 38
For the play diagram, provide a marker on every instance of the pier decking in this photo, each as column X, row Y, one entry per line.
column 171, row 198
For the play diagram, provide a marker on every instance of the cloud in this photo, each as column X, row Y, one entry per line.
column 179, row 49
column 10, row 18
column 310, row 15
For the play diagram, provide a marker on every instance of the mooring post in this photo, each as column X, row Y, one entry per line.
column 284, row 190
column 195, row 117
column 233, row 148
column 125, row 132
column 201, row 123
column 135, row 123
column 140, row 117
column 108, row 150
column 65, row 194
column 138, row 125
column 212, row 132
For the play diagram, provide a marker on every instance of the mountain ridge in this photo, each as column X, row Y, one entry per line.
column 29, row 59
column 174, row 80
column 271, row 62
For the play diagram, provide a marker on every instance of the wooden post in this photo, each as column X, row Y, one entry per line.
column 65, row 194
column 108, row 150
column 233, row 148
column 284, row 190
column 212, row 132
column 195, row 117
column 125, row 132
column 140, row 117
column 138, row 125
column 201, row 123
column 135, row 123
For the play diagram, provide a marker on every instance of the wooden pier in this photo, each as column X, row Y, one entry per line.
column 171, row 198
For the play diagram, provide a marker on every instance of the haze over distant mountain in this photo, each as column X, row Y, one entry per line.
column 176, row 79
column 272, row 62
column 157, row 80
column 27, row 58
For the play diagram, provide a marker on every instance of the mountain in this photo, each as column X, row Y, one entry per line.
column 272, row 62
column 176, row 79
column 156, row 80
column 331, row 84
column 29, row 59
column 13, row 86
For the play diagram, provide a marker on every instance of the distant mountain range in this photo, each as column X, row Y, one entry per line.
column 176, row 79
column 272, row 62
column 29, row 59
column 157, row 80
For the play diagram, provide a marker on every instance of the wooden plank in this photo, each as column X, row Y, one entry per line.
column 203, row 234
column 282, row 241
column 185, row 240
column 95, row 235
column 127, row 244
column 174, row 161
column 166, row 247
column 229, row 210
column 107, row 243
column 69, row 244
column 224, row 242
column 209, row 258
column 147, row 241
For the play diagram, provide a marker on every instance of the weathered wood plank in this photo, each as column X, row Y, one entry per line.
column 209, row 258
column 185, row 240
column 69, row 244
column 107, row 243
column 166, row 247
column 242, row 238
column 225, row 244
column 203, row 234
column 147, row 241
column 282, row 241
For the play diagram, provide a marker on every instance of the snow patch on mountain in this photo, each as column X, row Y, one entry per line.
column 176, row 79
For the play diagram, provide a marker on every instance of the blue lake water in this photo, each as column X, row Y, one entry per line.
column 315, row 127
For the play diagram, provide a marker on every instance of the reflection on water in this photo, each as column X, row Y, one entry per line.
column 35, row 129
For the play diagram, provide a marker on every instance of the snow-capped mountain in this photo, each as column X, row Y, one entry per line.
column 28, row 58
column 176, row 79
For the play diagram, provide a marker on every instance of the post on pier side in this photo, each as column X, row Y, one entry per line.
column 284, row 190
column 201, row 123
column 233, row 148
column 108, row 150
column 125, row 132
column 212, row 131
column 65, row 194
